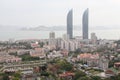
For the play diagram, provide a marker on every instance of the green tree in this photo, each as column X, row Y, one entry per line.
column 5, row 77
column 16, row 78
column 96, row 78
column 41, row 44
column 17, row 75
column 64, row 65
column 27, row 57
column 79, row 74
column 84, row 78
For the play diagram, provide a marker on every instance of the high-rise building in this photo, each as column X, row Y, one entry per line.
column 69, row 45
column 65, row 36
column 52, row 35
column 70, row 24
column 85, row 24
column 52, row 38
column 93, row 38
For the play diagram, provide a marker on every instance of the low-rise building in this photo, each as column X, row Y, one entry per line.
column 94, row 60
column 22, row 52
column 109, row 73
column 5, row 57
column 117, row 65
column 38, row 52
column 54, row 54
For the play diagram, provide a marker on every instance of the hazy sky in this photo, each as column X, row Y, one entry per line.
column 54, row 12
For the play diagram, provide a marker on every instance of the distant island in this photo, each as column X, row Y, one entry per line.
column 53, row 28
column 63, row 28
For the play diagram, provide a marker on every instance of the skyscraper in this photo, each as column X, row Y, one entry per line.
column 52, row 38
column 85, row 24
column 70, row 24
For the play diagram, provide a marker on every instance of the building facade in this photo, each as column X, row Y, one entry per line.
column 70, row 24
column 93, row 38
column 85, row 24
column 52, row 35
column 52, row 38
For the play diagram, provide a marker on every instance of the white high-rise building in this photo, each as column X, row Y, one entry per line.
column 52, row 40
column 70, row 45
column 58, row 43
column 62, row 44
column 93, row 38
column 65, row 37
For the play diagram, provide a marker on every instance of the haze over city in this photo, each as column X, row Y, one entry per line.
column 53, row 12
column 30, row 14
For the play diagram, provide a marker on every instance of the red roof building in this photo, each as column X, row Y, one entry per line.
column 66, row 75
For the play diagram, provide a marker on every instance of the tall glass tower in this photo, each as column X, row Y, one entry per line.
column 85, row 24
column 70, row 24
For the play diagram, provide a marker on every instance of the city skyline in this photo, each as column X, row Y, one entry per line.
column 31, row 15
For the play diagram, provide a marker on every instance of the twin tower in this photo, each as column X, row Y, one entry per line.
column 84, row 24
